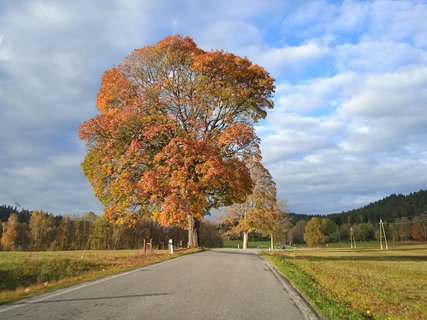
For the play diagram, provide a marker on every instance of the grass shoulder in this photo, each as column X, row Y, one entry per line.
column 322, row 301
column 363, row 283
column 253, row 244
column 25, row 274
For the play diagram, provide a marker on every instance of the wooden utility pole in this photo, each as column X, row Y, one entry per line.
column 382, row 235
column 352, row 239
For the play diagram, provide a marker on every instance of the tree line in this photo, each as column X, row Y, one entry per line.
column 404, row 217
column 323, row 230
column 391, row 207
column 40, row 231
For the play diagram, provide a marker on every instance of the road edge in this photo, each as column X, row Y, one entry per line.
column 301, row 302
column 57, row 292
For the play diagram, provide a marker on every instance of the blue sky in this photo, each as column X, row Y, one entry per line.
column 349, row 125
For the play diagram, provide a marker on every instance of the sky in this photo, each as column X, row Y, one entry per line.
column 349, row 125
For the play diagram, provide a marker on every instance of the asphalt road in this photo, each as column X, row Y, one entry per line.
column 219, row 284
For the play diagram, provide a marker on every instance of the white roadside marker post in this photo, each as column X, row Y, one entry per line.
column 171, row 245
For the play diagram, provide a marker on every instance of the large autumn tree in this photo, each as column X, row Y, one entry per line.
column 175, row 135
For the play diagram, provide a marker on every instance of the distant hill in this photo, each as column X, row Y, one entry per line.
column 295, row 217
column 388, row 209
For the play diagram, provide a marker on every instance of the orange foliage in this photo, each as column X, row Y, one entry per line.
column 260, row 210
column 175, row 135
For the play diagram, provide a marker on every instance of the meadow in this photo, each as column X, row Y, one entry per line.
column 261, row 244
column 362, row 283
column 24, row 274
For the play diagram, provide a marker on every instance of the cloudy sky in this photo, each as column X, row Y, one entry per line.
column 350, row 119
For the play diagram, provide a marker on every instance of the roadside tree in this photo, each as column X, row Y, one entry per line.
column 174, row 133
column 246, row 217
column 273, row 221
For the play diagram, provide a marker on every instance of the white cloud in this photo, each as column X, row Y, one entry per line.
column 4, row 51
column 351, row 17
column 316, row 95
column 399, row 21
column 378, row 56
column 290, row 59
column 309, row 19
column 388, row 112
column 372, row 140
column 231, row 34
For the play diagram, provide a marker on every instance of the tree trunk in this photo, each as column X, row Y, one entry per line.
column 245, row 239
column 272, row 241
column 193, row 232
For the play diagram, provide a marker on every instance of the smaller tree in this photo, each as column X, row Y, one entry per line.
column 64, row 234
column 209, row 235
column 10, row 236
column 367, row 231
column 90, row 216
column 404, row 228
column 260, row 210
column 345, row 231
column 273, row 222
column 313, row 234
column 297, row 232
column 419, row 230
column 38, row 231
column 330, row 230
column 100, row 237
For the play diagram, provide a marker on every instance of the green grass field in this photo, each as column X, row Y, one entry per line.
column 263, row 244
column 362, row 283
column 23, row 274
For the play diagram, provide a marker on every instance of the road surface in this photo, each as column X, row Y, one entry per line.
column 217, row 284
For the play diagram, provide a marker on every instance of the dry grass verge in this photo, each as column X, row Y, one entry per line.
column 362, row 283
column 24, row 274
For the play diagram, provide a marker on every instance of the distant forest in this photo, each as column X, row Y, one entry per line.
column 23, row 214
column 389, row 208
column 21, row 229
column 404, row 217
